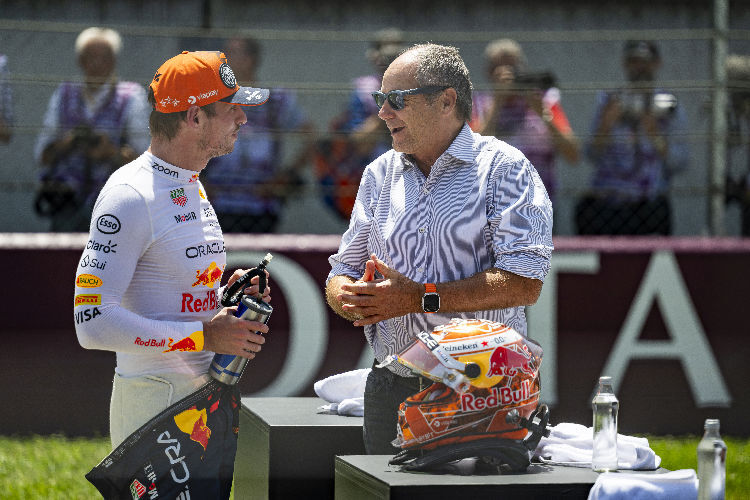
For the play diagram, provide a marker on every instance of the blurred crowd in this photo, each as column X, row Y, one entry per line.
column 636, row 142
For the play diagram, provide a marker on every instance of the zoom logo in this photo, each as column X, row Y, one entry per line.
column 108, row 224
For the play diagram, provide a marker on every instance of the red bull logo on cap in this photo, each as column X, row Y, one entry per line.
column 193, row 342
column 193, row 423
column 508, row 361
column 211, row 275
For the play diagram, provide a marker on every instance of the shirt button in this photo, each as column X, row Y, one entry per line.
column 422, row 230
column 419, row 269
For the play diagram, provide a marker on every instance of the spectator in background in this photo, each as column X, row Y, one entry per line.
column 524, row 110
column 358, row 135
column 6, row 102
column 637, row 144
column 249, row 186
column 90, row 129
column 738, row 145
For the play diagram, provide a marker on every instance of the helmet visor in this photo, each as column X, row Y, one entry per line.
column 427, row 358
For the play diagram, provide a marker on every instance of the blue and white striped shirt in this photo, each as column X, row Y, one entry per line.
column 482, row 206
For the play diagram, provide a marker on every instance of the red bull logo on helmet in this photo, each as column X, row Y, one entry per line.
column 193, row 423
column 509, row 361
column 499, row 396
column 193, row 342
column 209, row 276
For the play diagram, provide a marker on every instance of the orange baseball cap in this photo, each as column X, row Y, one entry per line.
column 200, row 78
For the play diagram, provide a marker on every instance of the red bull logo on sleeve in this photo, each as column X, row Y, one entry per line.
column 193, row 423
column 509, row 360
column 87, row 299
column 193, row 342
column 209, row 276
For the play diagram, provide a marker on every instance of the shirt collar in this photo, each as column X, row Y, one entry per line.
column 163, row 169
column 461, row 149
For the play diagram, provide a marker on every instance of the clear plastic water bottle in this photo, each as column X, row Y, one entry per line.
column 605, row 407
column 712, row 456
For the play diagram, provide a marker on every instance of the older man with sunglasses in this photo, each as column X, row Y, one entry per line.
column 446, row 224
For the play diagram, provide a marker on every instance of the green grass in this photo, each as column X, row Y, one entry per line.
column 49, row 467
column 680, row 453
column 53, row 467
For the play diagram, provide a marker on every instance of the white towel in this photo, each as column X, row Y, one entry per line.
column 678, row 485
column 344, row 391
column 571, row 444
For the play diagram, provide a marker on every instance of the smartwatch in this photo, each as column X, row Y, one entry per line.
column 430, row 299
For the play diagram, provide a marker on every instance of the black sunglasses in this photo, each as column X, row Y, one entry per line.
column 396, row 97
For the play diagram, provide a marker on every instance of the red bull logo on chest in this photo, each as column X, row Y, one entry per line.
column 209, row 276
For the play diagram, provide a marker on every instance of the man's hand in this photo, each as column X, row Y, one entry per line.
column 227, row 334
column 374, row 300
column 252, row 290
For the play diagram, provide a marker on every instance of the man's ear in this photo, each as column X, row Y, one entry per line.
column 448, row 100
column 193, row 116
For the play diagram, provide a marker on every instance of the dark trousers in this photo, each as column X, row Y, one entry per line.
column 601, row 216
column 384, row 392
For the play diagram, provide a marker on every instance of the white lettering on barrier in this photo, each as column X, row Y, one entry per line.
column 663, row 282
column 542, row 317
column 308, row 322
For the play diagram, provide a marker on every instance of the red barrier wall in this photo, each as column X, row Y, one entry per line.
column 664, row 316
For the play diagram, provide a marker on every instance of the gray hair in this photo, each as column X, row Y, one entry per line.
column 442, row 65
column 108, row 35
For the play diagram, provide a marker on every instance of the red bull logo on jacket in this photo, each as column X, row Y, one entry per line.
column 193, row 423
column 499, row 396
column 193, row 342
column 209, row 276
column 508, row 361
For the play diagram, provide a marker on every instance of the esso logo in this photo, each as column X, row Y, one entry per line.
column 108, row 224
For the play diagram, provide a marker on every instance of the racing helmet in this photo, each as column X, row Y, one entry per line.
column 484, row 402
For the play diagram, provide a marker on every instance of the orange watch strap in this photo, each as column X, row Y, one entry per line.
column 430, row 288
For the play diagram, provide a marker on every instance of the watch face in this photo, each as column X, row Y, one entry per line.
column 431, row 302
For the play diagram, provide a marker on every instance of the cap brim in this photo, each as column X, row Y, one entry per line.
column 248, row 96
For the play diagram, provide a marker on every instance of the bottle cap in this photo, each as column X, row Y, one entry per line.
column 712, row 423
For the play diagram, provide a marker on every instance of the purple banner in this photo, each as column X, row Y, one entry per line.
column 662, row 316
